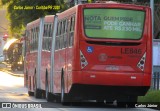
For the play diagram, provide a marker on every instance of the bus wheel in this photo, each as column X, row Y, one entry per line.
column 132, row 101
column 30, row 93
column 63, row 95
column 37, row 92
column 100, row 102
column 122, row 102
column 48, row 95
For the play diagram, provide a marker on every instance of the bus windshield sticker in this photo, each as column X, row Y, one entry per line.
column 114, row 23
column 89, row 49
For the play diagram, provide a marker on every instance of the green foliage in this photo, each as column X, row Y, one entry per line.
column 5, row 1
column 151, row 96
column 20, row 17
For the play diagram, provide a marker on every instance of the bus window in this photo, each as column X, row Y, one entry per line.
column 71, row 33
column 31, row 40
column 114, row 23
column 36, row 40
column 65, row 32
column 34, row 36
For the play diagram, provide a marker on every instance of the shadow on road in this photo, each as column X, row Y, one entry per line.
column 4, row 67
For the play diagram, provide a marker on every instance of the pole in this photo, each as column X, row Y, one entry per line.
column 52, row 53
column 152, row 11
column 39, row 60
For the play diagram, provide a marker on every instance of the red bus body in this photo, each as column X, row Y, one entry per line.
column 96, row 68
column 31, row 55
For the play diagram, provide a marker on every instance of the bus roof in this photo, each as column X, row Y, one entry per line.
column 112, row 4
column 47, row 19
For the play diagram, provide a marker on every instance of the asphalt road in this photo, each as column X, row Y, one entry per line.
column 14, row 94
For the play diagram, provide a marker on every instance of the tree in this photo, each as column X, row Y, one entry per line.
column 19, row 16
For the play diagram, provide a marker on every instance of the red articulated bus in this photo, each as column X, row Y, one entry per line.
column 99, row 51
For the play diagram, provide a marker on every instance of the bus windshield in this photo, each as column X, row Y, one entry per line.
column 114, row 23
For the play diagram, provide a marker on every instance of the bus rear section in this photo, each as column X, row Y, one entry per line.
column 114, row 52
